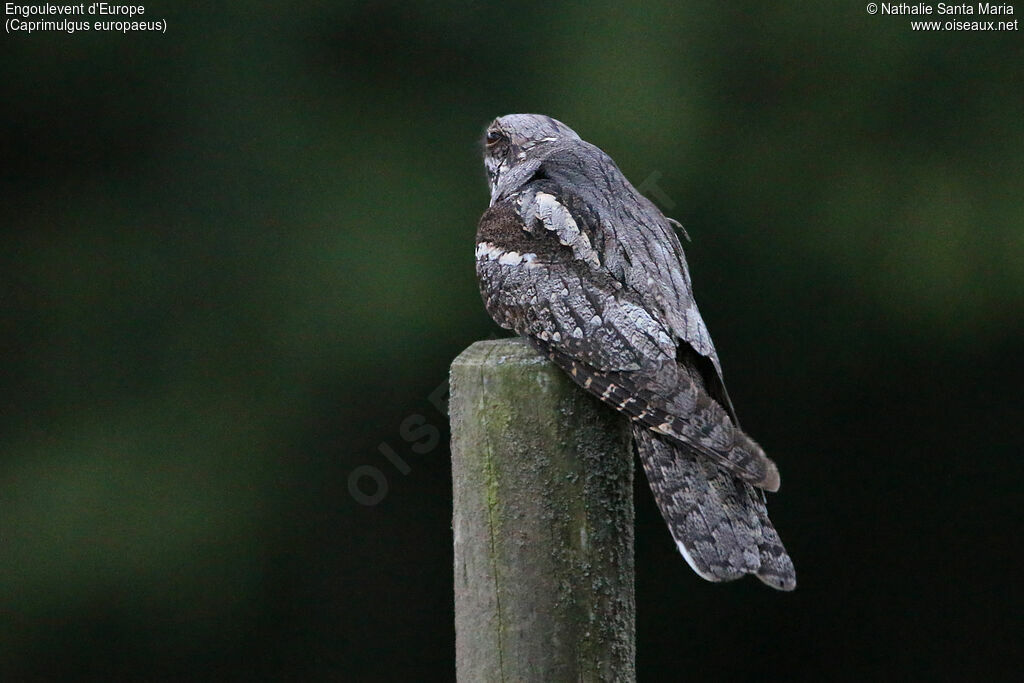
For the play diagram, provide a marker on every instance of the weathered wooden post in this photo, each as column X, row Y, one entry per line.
column 543, row 522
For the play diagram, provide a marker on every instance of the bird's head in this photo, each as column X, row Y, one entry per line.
column 515, row 145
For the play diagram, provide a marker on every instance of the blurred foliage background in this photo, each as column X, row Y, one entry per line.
column 239, row 255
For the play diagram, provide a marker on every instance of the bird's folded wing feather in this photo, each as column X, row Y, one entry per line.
column 542, row 284
column 637, row 245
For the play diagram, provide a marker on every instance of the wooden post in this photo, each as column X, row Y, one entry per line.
column 543, row 521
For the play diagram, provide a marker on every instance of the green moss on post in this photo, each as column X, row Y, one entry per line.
column 543, row 521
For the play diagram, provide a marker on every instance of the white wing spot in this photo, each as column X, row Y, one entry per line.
column 510, row 258
column 554, row 216
column 483, row 250
column 693, row 565
column 491, row 251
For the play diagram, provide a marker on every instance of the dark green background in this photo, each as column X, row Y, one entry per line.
column 238, row 255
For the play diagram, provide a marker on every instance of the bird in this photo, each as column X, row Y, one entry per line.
column 572, row 257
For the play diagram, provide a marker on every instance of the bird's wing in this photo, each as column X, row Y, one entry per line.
column 638, row 247
column 545, row 286
column 540, row 287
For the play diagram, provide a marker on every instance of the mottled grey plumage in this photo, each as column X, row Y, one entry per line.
column 571, row 256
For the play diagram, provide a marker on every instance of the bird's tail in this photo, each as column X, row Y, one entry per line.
column 720, row 524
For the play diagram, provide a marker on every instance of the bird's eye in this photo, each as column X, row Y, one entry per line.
column 494, row 137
